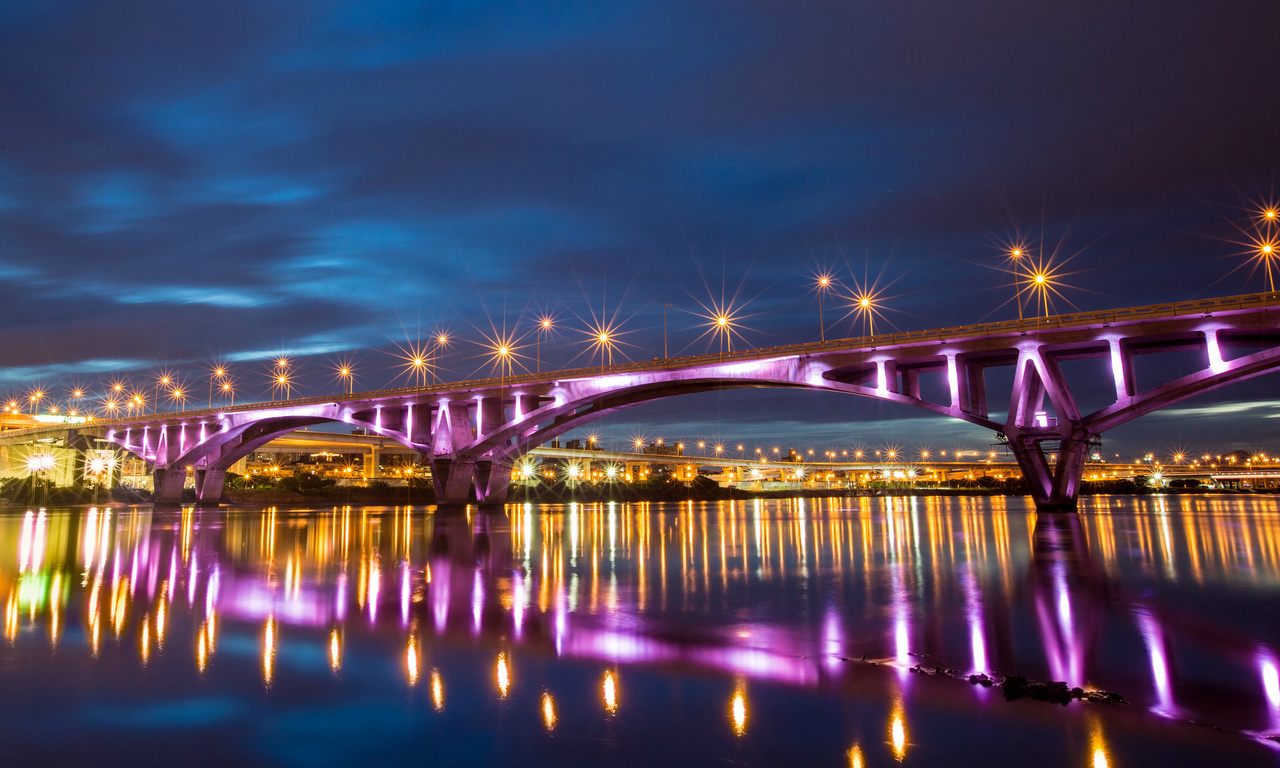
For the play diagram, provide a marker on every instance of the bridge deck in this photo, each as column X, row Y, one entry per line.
column 1074, row 321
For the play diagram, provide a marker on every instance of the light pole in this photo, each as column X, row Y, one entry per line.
column 218, row 373
column 1267, row 250
column 280, row 377
column 824, row 282
column 544, row 326
column 346, row 375
column 1016, row 254
column 442, row 341
column 606, row 349
column 155, row 403
column 1042, row 287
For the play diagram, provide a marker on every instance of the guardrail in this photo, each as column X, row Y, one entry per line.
column 1245, row 302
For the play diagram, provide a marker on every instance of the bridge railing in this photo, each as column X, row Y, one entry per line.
column 1150, row 312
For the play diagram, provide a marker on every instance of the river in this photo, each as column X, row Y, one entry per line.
column 830, row 632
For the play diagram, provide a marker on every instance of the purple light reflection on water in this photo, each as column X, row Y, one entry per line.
column 973, row 611
column 257, row 601
column 1270, row 684
column 832, row 638
column 1154, row 639
column 1059, row 635
column 477, row 601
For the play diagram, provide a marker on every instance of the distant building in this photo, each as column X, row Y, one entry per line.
column 658, row 449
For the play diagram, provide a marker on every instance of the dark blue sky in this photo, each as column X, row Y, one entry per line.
column 184, row 181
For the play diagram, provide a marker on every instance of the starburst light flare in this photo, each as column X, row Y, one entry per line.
column 723, row 323
column 545, row 327
column 344, row 371
column 822, row 282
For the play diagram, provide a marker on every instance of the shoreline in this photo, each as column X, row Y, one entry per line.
column 358, row 496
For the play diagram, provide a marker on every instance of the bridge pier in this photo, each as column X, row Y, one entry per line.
column 493, row 483
column 168, row 483
column 210, row 484
column 452, row 480
column 1056, row 488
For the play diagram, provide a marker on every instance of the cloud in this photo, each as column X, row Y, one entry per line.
column 1219, row 410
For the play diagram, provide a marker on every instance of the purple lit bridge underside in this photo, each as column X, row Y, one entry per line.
column 472, row 432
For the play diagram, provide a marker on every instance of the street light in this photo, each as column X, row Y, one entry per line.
column 1015, row 254
column 281, row 383
column 218, row 372
column 546, row 324
column 823, row 281
column 164, row 380
column 178, row 397
column 442, row 341
column 344, row 371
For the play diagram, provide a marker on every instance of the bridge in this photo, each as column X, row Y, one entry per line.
column 472, row 432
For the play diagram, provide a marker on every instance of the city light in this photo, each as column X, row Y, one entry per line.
column 40, row 462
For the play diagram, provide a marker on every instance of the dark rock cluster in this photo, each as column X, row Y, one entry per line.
column 1018, row 687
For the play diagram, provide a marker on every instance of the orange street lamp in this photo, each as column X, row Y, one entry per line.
column 1015, row 254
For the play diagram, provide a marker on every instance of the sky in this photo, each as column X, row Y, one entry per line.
column 188, row 182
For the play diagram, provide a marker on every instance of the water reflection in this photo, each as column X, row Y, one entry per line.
column 781, row 592
column 437, row 690
column 548, row 711
column 898, row 732
column 503, row 676
column 855, row 757
column 738, row 711
column 609, row 691
column 335, row 650
column 1098, row 745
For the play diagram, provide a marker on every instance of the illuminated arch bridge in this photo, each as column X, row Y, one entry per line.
column 471, row 432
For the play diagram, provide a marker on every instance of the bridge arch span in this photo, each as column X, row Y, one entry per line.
column 491, row 453
column 215, row 446
column 518, row 435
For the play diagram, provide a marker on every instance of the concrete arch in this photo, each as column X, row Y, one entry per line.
column 527, row 431
column 213, row 454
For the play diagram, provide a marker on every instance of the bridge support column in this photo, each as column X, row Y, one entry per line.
column 452, row 480
column 493, row 483
column 210, row 484
column 372, row 462
column 1056, row 488
column 168, row 483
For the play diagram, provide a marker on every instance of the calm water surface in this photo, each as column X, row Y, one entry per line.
column 642, row 634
